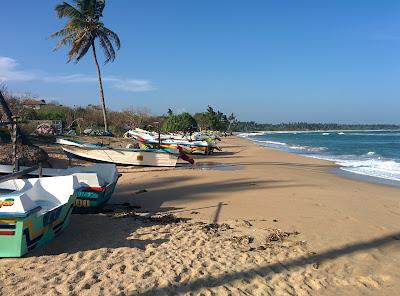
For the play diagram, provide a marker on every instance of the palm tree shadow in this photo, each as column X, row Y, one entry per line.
column 265, row 270
column 162, row 191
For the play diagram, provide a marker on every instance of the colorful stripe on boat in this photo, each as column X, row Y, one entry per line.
column 7, row 227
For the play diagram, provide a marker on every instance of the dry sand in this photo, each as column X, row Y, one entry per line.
column 255, row 222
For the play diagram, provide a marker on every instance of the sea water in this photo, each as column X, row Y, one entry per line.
column 370, row 153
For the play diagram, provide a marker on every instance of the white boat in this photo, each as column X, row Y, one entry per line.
column 96, row 183
column 124, row 156
column 36, row 213
column 194, row 147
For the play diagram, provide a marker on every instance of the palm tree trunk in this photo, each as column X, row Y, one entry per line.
column 103, row 104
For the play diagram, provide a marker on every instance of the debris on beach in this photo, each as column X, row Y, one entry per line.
column 126, row 210
column 166, row 219
column 278, row 235
column 243, row 239
column 215, row 228
column 243, row 223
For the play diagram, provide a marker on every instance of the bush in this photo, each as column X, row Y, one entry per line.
column 53, row 112
column 181, row 122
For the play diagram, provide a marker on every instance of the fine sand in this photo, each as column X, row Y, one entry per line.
column 245, row 221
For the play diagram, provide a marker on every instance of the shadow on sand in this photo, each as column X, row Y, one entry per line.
column 96, row 231
column 263, row 271
column 177, row 189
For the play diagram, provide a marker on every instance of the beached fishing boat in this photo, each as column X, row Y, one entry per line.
column 123, row 156
column 95, row 188
column 96, row 184
column 34, row 215
column 192, row 147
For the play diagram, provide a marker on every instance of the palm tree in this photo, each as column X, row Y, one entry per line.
column 80, row 33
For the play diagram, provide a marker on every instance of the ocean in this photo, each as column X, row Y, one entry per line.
column 375, row 154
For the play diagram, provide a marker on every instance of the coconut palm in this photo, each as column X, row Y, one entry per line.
column 82, row 31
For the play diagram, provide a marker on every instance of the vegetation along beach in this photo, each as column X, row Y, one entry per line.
column 199, row 148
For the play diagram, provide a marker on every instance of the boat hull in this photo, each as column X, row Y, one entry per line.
column 123, row 156
column 92, row 200
column 19, row 235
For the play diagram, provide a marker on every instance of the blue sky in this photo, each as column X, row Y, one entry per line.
column 268, row 61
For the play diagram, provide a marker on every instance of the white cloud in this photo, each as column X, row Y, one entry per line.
column 134, row 85
column 9, row 72
column 73, row 78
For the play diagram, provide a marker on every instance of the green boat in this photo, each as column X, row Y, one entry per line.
column 35, row 214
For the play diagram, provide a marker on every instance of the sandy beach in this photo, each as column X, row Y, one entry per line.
column 245, row 221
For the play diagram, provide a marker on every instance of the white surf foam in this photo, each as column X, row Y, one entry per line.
column 270, row 142
column 308, row 148
column 373, row 134
column 246, row 135
column 368, row 165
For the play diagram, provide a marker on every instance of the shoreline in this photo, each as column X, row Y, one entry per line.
column 336, row 169
column 339, row 170
column 279, row 223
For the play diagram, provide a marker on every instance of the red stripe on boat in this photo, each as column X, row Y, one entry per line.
column 7, row 232
column 93, row 188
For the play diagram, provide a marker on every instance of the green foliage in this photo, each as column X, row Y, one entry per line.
column 180, row 122
column 202, row 120
column 27, row 114
column 213, row 120
column 52, row 112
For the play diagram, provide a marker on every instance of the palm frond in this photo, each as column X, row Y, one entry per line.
column 107, row 47
column 63, row 32
column 67, row 10
column 69, row 39
column 98, row 9
column 86, row 44
column 76, row 45
column 113, row 36
column 86, row 6
column 83, row 28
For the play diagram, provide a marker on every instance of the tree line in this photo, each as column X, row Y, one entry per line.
column 248, row 126
column 80, row 118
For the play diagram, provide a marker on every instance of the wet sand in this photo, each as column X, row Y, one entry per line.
column 254, row 222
